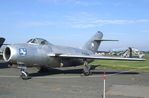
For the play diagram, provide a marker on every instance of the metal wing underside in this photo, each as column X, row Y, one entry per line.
column 95, row 57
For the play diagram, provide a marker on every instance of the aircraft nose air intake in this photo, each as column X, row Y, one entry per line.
column 8, row 53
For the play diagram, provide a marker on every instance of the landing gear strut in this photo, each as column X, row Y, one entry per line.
column 24, row 74
column 86, row 69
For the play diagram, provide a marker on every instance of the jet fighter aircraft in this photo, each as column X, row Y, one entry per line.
column 2, row 40
column 39, row 52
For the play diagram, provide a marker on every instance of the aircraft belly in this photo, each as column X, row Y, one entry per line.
column 71, row 62
column 53, row 62
column 56, row 62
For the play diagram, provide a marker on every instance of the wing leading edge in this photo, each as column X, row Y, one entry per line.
column 95, row 57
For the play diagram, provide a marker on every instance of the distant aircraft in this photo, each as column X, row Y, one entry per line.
column 40, row 53
column 2, row 40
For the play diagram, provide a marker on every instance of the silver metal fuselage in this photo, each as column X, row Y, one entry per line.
column 38, row 55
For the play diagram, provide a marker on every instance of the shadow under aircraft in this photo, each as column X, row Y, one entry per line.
column 53, row 71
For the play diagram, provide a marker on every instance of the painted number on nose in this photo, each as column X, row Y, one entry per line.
column 23, row 51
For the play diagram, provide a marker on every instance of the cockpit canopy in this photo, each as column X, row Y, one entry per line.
column 38, row 41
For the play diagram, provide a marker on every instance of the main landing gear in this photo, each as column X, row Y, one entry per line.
column 86, row 69
column 24, row 74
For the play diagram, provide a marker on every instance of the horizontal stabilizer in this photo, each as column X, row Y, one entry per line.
column 106, row 40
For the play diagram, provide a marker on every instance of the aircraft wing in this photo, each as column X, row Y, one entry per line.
column 95, row 57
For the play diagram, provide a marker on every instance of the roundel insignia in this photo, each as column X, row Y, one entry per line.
column 92, row 45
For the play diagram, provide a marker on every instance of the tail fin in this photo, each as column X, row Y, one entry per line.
column 94, row 42
column 1, row 41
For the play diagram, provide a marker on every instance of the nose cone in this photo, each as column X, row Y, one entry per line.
column 9, row 54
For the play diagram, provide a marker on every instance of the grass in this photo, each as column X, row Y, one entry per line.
column 129, row 65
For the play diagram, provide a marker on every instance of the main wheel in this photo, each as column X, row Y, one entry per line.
column 86, row 70
column 86, row 73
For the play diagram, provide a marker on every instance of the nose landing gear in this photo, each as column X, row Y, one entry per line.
column 24, row 74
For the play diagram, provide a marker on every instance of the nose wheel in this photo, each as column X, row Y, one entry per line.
column 24, row 74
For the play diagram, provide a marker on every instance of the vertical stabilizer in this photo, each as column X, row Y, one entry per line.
column 94, row 42
column 2, row 40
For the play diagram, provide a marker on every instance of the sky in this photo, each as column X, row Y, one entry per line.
column 73, row 22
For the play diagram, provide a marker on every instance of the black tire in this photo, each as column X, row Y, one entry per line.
column 24, row 77
column 86, row 71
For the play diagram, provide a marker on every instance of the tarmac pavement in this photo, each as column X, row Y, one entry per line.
column 69, row 83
